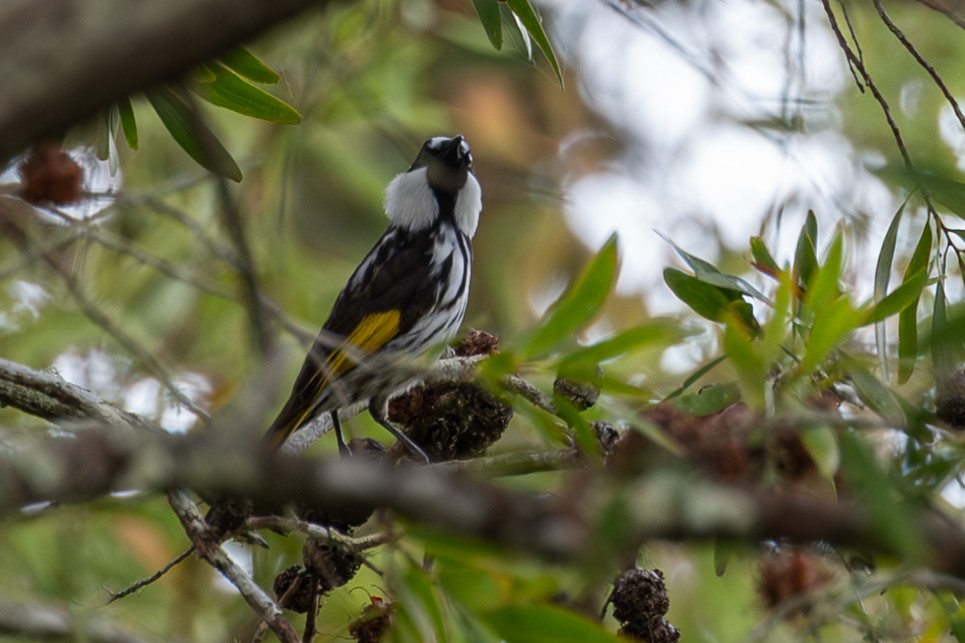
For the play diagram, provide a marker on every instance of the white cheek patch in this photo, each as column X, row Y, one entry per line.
column 468, row 206
column 410, row 204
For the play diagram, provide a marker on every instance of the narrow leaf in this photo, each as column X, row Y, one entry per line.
column 246, row 64
column 943, row 359
column 128, row 123
column 231, row 91
column 762, row 256
column 805, row 256
column 528, row 17
column 492, row 22
column 886, row 257
column 577, row 307
column 821, row 443
column 832, row 323
column 709, row 399
column 704, row 299
column 902, row 297
column 657, row 332
column 876, row 395
column 546, row 624
column 190, row 132
column 823, row 286
column 695, row 376
column 907, row 341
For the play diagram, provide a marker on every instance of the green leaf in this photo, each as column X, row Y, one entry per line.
column 709, row 273
column 746, row 359
column 891, row 515
column 946, row 353
column 188, row 129
column 246, row 64
column 821, row 443
column 908, row 318
column 886, row 257
column 823, row 286
column 762, row 256
column 907, row 342
column 724, row 551
column 128, row 123
column 421, row 605
column 875, row 394
column 832, row 323
column 229, row 90
column 656, row 332
column 709, row 399
column 806, row 257
column 704, row 299
column 546, row 624
column 528, row 17
column 579, row 305
column 695, row 376
column 901, row 298
column 492, row 22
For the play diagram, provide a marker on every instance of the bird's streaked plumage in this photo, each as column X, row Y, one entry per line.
column 408, row 294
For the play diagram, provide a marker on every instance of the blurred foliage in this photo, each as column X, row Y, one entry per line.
column 782, row 337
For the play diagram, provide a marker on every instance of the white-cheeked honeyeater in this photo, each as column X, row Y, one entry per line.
column 408, row 294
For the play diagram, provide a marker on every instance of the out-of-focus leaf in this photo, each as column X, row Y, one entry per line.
column 724, row 551
column 128, row 122
column 709, row 399
column 876, row 395
column 704, row 299
column 908, row 318
column 420, row 604
column 696, row 375
column 907, row 342
column 709, row 273
column 948, row 192
column 806, row 256
column 744, row 355
column 890, row 513
column 762, row 257
column 231, row 91
column 902, row 297
column 947, row 348
column 832, row 323
column 187, row 128
column 492, row 22
column 528, row 17
column 823, row 286
column 821, row 443
column 775, row 328
column 886, row 257
column 656, row 332
column 577, row 307
column 546, row 624
column 246, row 64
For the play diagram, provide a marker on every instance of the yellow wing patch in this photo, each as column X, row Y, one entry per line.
column 372, row 333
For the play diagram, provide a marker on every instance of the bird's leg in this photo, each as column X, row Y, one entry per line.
column 377, row 410
column 343, row 449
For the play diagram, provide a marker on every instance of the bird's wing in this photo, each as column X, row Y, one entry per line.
column 388, row 292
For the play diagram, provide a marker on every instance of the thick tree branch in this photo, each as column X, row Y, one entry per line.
column 39, row 622
column 64, row 60
column 670, row 504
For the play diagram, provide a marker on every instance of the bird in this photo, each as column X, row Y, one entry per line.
column 408, row 294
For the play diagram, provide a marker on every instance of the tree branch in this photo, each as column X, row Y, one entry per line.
column 40, row 622
column 63, row 61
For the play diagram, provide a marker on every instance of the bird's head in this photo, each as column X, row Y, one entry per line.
column 439, row 183
column 448, row 162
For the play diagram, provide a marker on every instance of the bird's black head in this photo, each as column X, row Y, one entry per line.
column 448, row 162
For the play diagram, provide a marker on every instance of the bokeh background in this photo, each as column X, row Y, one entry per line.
column 709, row 122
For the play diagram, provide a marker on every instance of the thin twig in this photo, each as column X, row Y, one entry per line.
column 197, row 530
column 144, row 582
column 857, row 64
column 921, row 61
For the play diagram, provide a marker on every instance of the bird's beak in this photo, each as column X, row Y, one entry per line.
column 456, row 152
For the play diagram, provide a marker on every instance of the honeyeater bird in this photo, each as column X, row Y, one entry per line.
column 408, row 294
